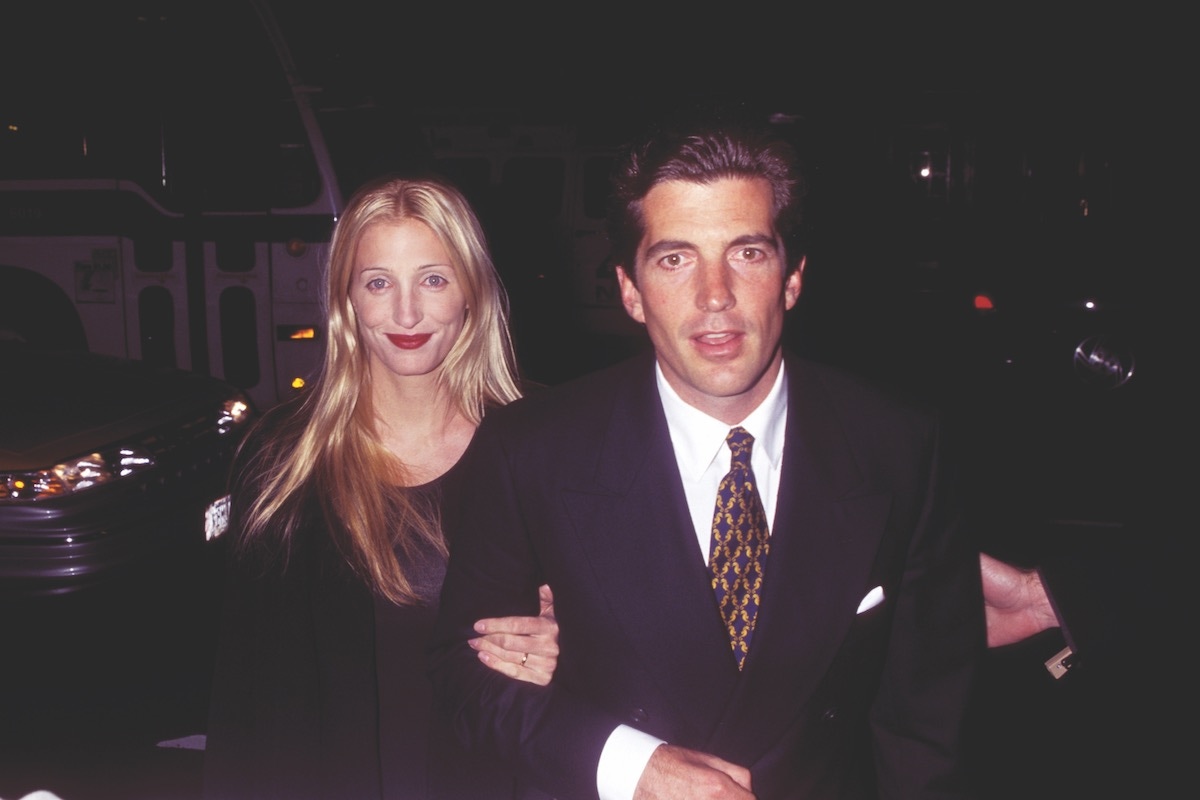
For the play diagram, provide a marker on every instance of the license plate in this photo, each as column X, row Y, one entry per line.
column 216, row 518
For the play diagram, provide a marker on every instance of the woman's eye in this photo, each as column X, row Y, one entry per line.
column 377, row 283
column 435, row 281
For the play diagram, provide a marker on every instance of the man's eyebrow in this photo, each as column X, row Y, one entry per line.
column 756, row 239
column 667, row 246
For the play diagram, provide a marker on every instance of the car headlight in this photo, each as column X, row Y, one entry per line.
column 96, row 469
column 234, row 414
column 75, row 475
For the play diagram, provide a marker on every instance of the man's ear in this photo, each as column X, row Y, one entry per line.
column 791, row 286
column 631, row 298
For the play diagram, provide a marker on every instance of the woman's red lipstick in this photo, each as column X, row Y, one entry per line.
column 409, row 342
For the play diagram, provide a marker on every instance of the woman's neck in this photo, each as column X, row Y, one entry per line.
column 421, row 425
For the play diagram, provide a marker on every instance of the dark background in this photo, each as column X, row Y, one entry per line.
column 1007, row 78
column 1056, row 462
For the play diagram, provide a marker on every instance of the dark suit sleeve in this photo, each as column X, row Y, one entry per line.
column 1090, row 593
column 1119, row 592
column 550, row 736
column 937, row 645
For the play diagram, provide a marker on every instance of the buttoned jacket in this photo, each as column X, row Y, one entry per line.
column 870, row 629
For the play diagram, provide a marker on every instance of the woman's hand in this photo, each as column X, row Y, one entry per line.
column 525, row 648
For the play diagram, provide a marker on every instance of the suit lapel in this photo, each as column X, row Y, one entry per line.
column 637, row 533
column 634, row 526
column 826, row 531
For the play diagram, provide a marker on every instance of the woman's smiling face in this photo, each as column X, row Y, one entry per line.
column 408, row 296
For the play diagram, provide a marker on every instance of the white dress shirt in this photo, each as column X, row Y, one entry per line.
column 703, row 459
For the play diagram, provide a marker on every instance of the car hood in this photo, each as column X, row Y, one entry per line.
column 56, row 405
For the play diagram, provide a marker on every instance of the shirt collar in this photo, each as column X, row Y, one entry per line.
column 698, row 439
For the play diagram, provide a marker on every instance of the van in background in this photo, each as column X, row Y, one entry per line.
column 161, row 164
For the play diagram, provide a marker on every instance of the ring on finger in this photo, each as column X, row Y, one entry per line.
column 524, row 658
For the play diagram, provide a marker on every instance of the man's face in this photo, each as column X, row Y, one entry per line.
column 712, row 289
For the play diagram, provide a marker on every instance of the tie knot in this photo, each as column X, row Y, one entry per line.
column 740, row 441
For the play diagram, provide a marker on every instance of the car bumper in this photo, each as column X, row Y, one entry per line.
column 151, row 528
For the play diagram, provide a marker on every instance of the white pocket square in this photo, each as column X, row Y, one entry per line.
column 873, row 598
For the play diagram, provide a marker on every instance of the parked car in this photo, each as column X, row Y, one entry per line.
column 112, row 473
column 108, row 467
column 112, row 499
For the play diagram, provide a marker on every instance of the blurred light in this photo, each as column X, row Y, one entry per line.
column 132, row 460
column 984, row 303
column 295, row 333
column 234, row 413
column 1090, row 305
column 1104, row 362
column 75, row 475
column 296, row 247
column 925, row 172
column 297, row 383
column 83, row 473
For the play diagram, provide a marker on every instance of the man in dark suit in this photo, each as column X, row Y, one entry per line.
column 844, row 668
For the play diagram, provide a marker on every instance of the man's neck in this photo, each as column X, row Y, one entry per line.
column 735, row 408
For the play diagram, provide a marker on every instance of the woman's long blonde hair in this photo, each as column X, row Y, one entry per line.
column 328, row 451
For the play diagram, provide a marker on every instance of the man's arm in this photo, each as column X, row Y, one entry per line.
column 552, row 737
column 525, row 648
column 1117, row 593
column 936, row 649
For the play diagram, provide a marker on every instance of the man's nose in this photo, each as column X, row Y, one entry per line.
column 715, row 290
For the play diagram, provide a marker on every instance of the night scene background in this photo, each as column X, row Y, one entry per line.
column 977, row 176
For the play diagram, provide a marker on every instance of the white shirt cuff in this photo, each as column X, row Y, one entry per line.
column 622, row 762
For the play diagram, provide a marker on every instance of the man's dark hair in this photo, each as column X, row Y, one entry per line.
column 703, row 155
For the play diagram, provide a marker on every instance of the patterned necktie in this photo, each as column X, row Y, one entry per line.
column 739, row 545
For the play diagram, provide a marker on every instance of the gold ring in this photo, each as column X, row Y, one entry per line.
column 524, row 658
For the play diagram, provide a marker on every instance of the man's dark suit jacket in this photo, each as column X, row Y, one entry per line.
column 578, row 487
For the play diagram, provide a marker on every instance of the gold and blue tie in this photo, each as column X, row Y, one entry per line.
column 739, row 545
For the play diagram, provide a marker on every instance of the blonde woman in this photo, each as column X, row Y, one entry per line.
column 338, row 558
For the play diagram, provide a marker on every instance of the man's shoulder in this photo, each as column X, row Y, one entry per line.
column 857, row 400
column 587, row 396
column 845, row 382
